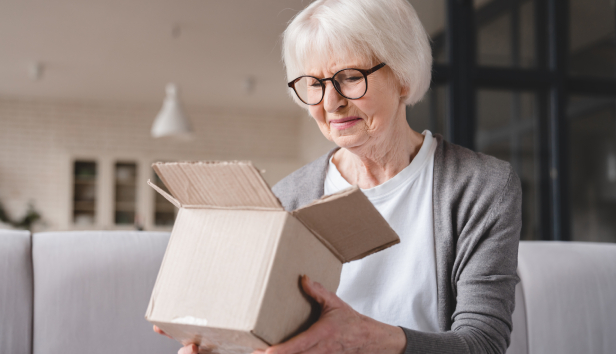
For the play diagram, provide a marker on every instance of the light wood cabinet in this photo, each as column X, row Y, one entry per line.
column 110, row 193
column 84, row 193
column 125, row 198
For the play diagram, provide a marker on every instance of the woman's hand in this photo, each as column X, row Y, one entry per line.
column 340, row 329
column 188, row 349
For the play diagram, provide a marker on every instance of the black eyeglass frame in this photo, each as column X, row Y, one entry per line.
column 365, row 73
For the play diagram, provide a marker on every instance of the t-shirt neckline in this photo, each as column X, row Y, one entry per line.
column 407, row 175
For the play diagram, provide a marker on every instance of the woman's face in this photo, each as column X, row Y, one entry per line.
column 362, row 122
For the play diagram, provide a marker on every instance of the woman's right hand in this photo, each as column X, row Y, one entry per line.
column 188, row 349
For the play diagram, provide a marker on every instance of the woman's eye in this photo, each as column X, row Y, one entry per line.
column 353, row 78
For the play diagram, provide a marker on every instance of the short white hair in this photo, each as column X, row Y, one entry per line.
column 387, row 31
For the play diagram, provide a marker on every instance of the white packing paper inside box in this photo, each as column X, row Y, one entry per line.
column 230, row 277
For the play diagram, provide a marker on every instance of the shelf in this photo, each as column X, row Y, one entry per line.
column 84, row 189
column 125, row 207
column 84, row 206
column 84, row 200
column 125, row 184
column 124, row 217
column 125, row 202
column 164, row 208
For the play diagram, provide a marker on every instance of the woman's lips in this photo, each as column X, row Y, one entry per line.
column 343, row 123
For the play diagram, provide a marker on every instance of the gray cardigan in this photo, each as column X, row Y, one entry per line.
column 477, row 222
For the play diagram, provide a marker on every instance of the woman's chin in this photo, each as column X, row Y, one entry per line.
column 349, row 141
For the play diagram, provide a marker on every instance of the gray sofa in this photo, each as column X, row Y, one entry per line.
column 79, row 292
column 87, row 292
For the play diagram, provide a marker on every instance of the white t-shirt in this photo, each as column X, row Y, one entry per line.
column 397, row 286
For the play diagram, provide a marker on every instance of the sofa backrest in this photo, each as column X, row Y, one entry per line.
column 92, row 290
column 15, row 292
column 567, row 295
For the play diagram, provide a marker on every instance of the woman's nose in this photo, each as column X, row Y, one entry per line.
column 332, row 101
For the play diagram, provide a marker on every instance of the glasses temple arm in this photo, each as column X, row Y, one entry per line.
column 368, row 72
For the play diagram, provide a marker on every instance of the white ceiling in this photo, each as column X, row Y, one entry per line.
column 124, row 50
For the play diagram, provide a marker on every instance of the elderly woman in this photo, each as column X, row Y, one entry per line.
column 448, row 287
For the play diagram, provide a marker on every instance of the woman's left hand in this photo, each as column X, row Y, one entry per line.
column 340, row 329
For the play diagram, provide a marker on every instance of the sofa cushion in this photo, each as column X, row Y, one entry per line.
column 569, row 291
column 15, row 292
column 92, row 290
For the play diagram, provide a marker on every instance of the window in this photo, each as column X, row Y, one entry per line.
column 592, row 49
column 505, row 33
column 506, row 125
column 592, row 168
column 533, row 82
column 431, row 113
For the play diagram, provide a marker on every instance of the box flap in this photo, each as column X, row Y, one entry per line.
column 235, row 184
column 348, row 224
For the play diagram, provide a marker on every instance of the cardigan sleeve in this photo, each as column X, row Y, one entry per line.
column 483, row 279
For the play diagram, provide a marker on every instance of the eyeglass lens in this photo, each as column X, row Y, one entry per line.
column 350, row 83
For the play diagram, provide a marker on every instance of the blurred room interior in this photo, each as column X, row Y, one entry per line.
column 93, row 92
column 82, row 82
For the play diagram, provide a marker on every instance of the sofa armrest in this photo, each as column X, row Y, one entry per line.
column 15, row 292
column 569, row 295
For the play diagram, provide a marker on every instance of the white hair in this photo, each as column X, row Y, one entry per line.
column 387, row 31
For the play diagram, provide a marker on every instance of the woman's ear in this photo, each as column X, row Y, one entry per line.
column 405, row 91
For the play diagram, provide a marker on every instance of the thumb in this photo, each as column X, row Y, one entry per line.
column 324, row 297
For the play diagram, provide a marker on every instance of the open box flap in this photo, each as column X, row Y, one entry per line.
column 348, row 224
column 232, row 185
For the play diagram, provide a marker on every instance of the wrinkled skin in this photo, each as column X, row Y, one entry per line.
column 376, row 148
column 381, row 143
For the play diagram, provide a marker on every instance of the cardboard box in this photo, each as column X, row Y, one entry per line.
column 229, row 280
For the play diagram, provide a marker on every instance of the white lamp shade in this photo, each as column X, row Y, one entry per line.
column 171, row 120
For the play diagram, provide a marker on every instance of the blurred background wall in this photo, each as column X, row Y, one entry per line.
column 81, row 84
column 532, row 82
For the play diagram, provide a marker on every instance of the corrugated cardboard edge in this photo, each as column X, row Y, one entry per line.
column 327, row 198
column 165, row 194
column 161, row 176
column 253, row 174
column 179, row 205
column 374, row 250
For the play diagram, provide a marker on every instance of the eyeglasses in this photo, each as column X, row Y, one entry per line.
column 350, row 83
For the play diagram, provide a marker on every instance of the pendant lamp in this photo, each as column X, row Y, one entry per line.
column 171, row 120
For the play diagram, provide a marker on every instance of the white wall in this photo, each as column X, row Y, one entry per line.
column 39, row 140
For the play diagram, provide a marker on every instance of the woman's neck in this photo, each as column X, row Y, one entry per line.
column 373, row 165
